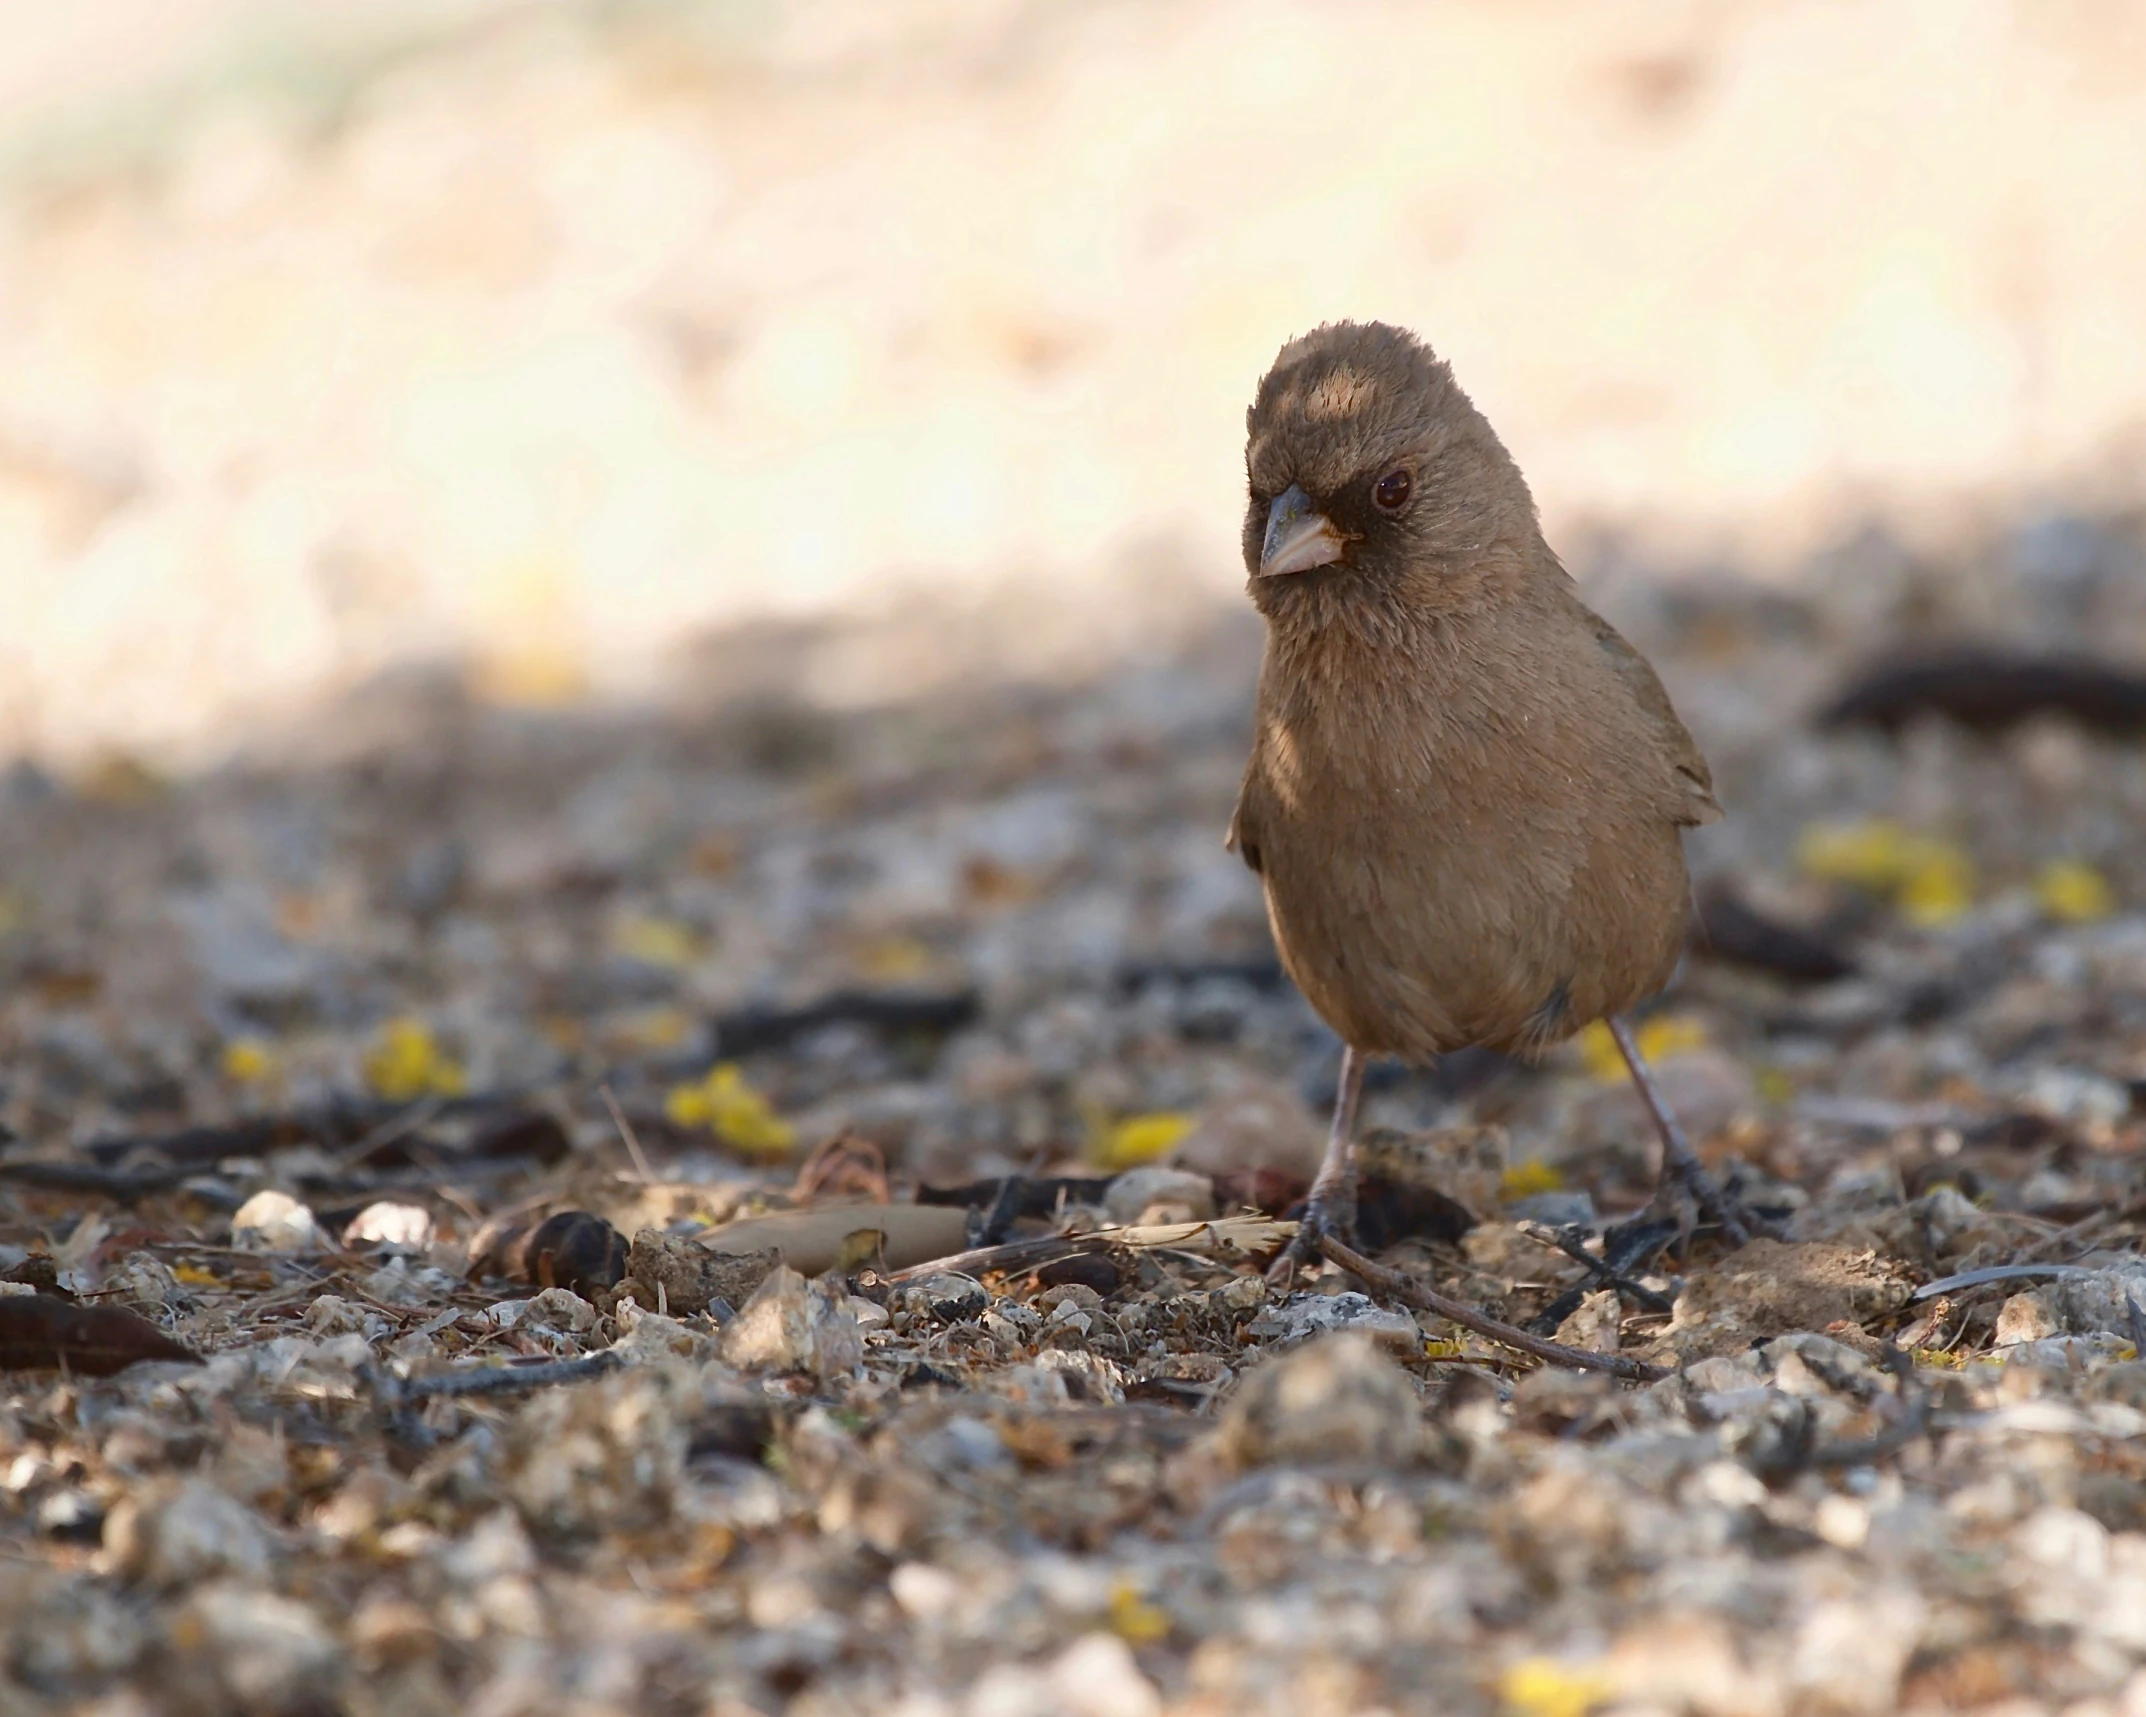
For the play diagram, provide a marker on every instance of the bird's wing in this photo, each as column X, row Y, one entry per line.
column 1694, row 802
column 1243, row 837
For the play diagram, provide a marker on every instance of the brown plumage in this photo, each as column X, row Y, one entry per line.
column 1466, row 793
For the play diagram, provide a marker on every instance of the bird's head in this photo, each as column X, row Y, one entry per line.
column 1374, row 479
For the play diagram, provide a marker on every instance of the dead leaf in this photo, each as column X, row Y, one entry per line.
column 40, row 1333
column 811, row 1241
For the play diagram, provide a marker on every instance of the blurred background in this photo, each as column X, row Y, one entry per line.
column 538, row 340
column 529, row 532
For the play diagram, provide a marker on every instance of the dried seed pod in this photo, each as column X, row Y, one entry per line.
column 575, row 1250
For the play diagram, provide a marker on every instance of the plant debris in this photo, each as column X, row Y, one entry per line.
column 607, row 1210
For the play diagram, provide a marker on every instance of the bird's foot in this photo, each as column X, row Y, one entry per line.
column 1330, row 1209
column 1687, row 1192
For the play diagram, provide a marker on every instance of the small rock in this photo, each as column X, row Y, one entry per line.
column 1849, row 1653
column 406, row 1227
column 276, row 1222
column 951, row 1297
column 964, row 1444
column 1336, row 1399
column 1306, row 1315
column 646, row 1336
column 922, row 1590
column 1502, row 1249
column 268, row 1654
column 2076, row 1095
column 1068, row 1297
column 497, row 1545
column 71, row 1515
column 145, row 1282
column 175, row 1536
column 1096, row 1676
column 393, row 1285
column 1554, row 1209
column 2111, row 1301
column 331, row 1314
column 684, row 1278
column 791, row 1324
column 1134, row 1193
column 2026, row 1317
column 1774, row 1287
column 1549, row 1402
column 1593, row 1325
column 560, row 1309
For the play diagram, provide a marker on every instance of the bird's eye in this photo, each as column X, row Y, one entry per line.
column 1390, row 494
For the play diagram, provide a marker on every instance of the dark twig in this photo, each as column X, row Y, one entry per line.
column 1996, row 1273
column 894, row 1012
column 1601, row 1273
column 998, row 1221
column 1413, row 1293
column 393, row 1130
column 630, row 1138
column 505, row 1379
column 1014, row 1255
column 126, row 1185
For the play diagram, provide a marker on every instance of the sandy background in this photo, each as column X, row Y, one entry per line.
column 546, row 338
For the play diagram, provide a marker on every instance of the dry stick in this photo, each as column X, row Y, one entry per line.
column 998, row 1222
column 1013, row 1255
column 1413, row 1293
column 506, row 1379
column 625, row 1131
column 395, row 1128
column 1599, row 1270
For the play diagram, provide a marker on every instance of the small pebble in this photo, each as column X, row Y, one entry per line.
column 276, row 1222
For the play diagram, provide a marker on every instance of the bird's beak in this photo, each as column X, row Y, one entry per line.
column 1298, row 537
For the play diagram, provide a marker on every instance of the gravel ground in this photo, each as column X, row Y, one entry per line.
column 519, row 1122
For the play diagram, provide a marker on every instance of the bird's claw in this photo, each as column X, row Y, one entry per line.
column 1687, row 1192
column 1328, row 1211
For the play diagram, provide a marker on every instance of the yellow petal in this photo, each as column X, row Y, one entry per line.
column 894, row 959
column 656, row 941
column 1939, row 886
column 1542, row 1687
column 1524, row 1180
column 731, row 1109
column 1872, row 854
column 1135, row 1620
column 2073, row 892
column 1932, row 881
column 248, row 1061
column 1773, row 1085
column 1141, row 1139
column 686, row 1105
column 1659, row 1038
column 405, row 1063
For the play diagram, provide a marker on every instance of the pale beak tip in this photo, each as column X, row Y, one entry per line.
column 1298, row 537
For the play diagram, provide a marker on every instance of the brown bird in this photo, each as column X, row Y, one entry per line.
column 1467, row 793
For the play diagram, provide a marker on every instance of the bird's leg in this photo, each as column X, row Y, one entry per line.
column 1681, row 1167
column 1331, row 1206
